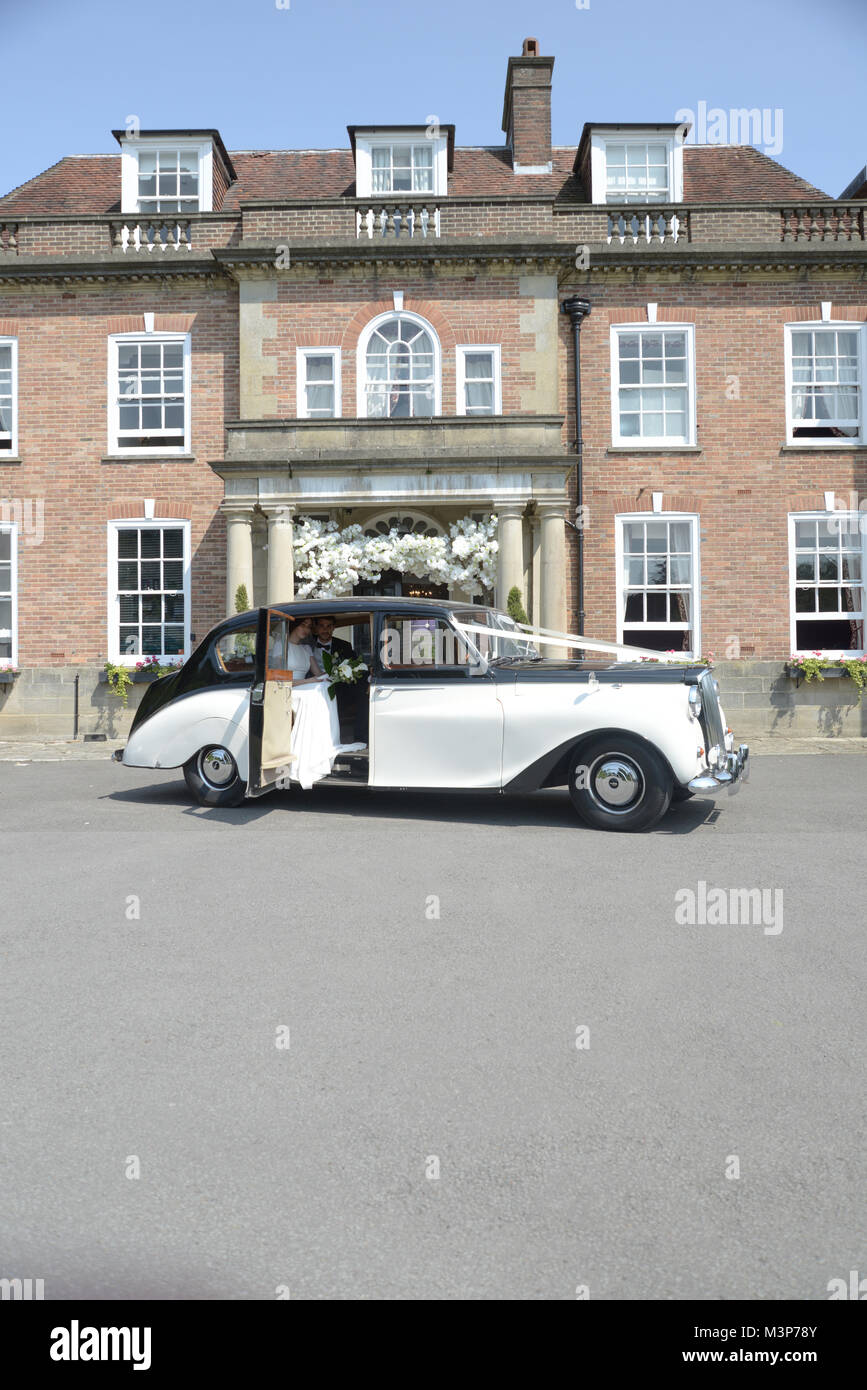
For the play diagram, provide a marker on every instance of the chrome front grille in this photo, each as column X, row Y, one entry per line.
column 711, row 717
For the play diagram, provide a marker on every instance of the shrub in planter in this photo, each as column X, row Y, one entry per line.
column 819, row 668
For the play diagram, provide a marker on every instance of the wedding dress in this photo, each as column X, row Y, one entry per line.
column 315, row 740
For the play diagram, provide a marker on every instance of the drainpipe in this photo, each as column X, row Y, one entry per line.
column 75, row 708
column 578, row 309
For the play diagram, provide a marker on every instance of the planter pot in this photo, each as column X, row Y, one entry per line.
column 829, row 673
column 7, row 677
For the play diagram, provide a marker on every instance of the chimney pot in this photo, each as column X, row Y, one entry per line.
column 531, row 48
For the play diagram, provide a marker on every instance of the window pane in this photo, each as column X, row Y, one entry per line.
column 320, row 368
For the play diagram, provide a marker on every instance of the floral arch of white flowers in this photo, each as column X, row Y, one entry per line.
column 330, row 560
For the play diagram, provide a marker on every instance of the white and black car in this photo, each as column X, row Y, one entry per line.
column 459, row 698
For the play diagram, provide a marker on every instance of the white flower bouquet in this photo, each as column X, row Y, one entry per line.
column 342, row 671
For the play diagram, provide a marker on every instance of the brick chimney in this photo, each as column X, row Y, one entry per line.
column 527, row 110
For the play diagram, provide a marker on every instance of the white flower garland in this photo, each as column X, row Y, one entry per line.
column 329, row 562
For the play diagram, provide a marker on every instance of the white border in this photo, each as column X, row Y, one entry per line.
column 114, row 340
column 12, row 451
column 460, row 380
column 804, row 441
column 846, row 518
column 143, row 524
column 132, row 146
column 12, row 528
column 361, row 362
column 659, row 442
column 301, row 355
column 694, row 520
column 599, row 138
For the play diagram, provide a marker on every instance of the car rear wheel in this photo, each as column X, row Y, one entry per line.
column 617, row 783
column 213, row 778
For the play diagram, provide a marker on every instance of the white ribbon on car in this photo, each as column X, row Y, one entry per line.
column 547, row 637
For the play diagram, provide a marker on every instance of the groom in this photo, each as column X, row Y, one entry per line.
column 352, row 700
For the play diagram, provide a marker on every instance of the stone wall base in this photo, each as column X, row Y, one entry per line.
column 41, row 702
column 758, row 698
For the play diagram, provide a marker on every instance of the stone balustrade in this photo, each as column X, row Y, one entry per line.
column 397, row 220
column 823, row 222
column 152, row 235
column 653, row 226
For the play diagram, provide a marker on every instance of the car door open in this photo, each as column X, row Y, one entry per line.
column 270, row 724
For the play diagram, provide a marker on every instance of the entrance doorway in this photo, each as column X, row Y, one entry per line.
column 393, row 584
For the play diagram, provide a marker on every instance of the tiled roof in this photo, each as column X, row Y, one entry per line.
column 739, row 174
column 82, row 184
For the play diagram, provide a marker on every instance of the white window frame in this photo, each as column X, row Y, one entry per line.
column 804, row 441
column 12, row 451
column 12, row 528
column 144, row 524
column 846, row 523
column 602, row 136
column 410, row 135
column 146, row 451
column 301, row 355
column 460, row 376
column 361, row 362
column 132, row 147
column 633, row 635
column 658, row 442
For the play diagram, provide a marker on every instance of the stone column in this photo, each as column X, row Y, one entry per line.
column 510, row 534
column 535, row 611
column 239, row 553
column 553, row 586
column 281, row 559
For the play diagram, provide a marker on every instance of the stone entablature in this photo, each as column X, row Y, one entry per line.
column 349, row 441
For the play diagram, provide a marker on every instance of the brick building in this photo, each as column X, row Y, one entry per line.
column 199, row 348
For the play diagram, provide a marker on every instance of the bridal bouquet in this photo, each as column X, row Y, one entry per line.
column 342, row 672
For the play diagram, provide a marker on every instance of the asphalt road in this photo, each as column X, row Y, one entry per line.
column 151, row 953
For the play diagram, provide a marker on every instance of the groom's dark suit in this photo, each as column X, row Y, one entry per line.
column 353, row 701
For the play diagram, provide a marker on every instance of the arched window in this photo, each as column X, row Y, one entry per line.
column 404, row 523
column 399, row 368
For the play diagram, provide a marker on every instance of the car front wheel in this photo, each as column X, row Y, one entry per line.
column 617, row 783
column 213, row 778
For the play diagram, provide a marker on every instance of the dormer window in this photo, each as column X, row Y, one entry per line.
column 168, row 181
column 172, row 173
column 403, row 168
column 392, row 161
column 632, row 164
column 636, row 171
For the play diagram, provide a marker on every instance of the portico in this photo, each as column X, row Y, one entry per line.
column 276, row 473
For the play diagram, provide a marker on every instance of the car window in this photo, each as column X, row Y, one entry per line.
column 236, row 651
column 412, row 644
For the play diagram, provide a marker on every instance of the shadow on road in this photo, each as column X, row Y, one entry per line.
column 550, row 809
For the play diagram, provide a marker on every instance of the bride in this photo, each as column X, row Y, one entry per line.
column 315, row 740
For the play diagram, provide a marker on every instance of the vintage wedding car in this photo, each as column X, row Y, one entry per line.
column 459, row 699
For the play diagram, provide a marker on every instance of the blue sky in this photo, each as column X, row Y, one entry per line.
column 269, row 77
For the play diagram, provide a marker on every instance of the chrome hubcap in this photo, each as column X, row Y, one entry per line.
column 217, row 767
column 616, row 783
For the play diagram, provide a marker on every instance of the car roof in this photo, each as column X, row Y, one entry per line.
column 374, row 603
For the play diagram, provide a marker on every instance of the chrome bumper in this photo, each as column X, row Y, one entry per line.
column 736, row 769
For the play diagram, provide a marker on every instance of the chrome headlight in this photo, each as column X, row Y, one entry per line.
column 695, row 701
